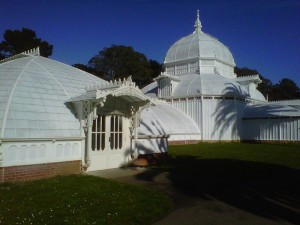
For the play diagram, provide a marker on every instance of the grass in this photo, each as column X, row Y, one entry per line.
column 80, row 200
column 233, row 161
column 280, row 154
column 261, row 179
column 242, row 175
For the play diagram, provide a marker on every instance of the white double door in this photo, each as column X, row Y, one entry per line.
column 110, row 139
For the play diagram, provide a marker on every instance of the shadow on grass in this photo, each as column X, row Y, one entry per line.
column 266, row 190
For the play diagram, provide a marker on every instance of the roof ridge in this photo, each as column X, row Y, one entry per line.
column 30, row 52
column 12, row 91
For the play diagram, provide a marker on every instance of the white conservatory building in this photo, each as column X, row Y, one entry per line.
column 57, row 119
column 199, row 80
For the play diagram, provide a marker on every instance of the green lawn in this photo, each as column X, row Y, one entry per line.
column 280, row 154
column 262, row 179
column 80, row 200
column 235, row 173
column 233, row 162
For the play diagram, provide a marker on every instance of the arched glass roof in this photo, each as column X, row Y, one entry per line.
column 164, row 119
column 33, row 91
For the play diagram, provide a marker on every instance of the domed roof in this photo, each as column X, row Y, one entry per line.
column 206, row 84
column 33, row 92
column 199, row 45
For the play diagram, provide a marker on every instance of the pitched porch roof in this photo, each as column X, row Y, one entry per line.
column 125, row 89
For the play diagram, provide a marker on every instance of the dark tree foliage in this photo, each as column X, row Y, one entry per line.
column 285, row 89
column 87, row 69
column 241, row 72
column 2, row 56
column 264, row 87
column 156, row 67
column 16, row 41
column 120, row 61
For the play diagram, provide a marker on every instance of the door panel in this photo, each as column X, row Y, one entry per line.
column 107, row 142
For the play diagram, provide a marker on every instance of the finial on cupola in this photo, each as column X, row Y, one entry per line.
column 197, row 25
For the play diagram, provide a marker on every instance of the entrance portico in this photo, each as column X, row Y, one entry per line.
column 109, row 113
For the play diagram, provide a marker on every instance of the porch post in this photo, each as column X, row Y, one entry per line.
column 136, row 132
column 89, row 125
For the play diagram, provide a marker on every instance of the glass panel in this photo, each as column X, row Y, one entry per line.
column 112, row 123
column 98, row 141
column 102, row 141
column 117, row 122
column 111, row 140
column 120, row 140
column 93, row 141
column 103, row 123
column 120, row 124
column 98, row 133
column 116, row 141
column 98, row 123
column 94, row 126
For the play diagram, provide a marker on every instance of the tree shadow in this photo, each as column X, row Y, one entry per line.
column 228, row 113
column 268, row 122
column 266, row 190
column 153, row 145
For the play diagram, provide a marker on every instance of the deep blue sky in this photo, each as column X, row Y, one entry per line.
column 261, row 34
